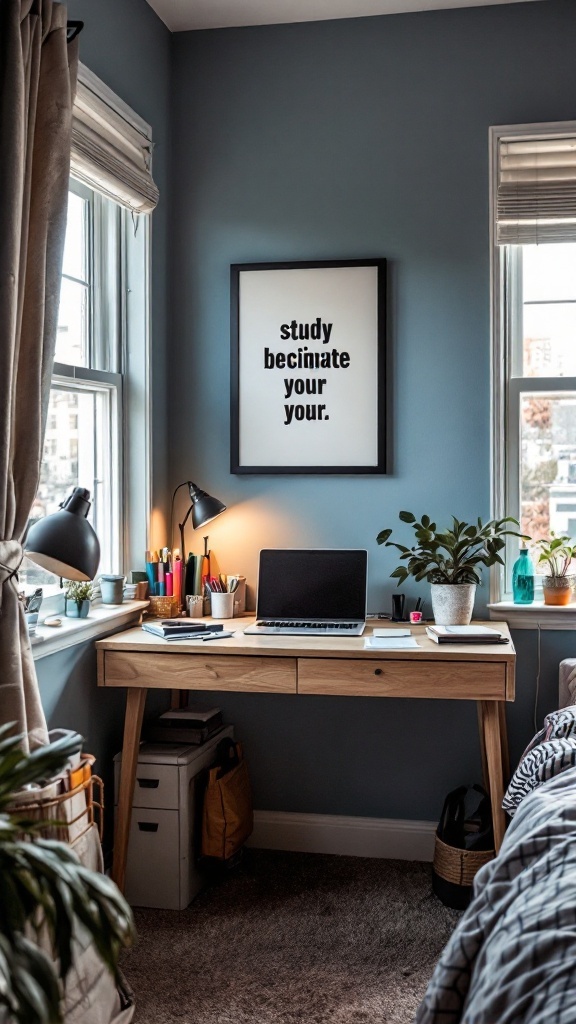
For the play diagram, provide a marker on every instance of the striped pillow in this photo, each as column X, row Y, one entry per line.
column 540, row 764
column 557, row 725
column 561, row 724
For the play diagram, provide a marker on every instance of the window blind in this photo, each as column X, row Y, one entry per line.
column 111, row 146
column 536, row 197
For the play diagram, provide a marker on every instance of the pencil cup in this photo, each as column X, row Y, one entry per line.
column 195, row 606
column 222, row 605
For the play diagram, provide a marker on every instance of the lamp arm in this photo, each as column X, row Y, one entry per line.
column 185, row 483
column 183, row 575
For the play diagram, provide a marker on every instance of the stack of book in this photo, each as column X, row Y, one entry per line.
column 181, row 629
column 194, row 724
column 465, row 635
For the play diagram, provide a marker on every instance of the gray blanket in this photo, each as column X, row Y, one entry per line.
column 512, row 957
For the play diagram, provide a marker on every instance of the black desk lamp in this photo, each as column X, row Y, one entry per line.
column 203, row 509
column 64, row 542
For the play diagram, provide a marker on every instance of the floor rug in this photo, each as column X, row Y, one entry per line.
column 293, row 938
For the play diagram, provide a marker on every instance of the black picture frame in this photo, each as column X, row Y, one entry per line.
column 284, row 317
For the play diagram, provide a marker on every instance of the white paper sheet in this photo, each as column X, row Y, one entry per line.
column 382, row 643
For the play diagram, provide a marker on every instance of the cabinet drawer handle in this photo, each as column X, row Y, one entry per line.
column 377, row 671
column 148, row 826
column 148, row 783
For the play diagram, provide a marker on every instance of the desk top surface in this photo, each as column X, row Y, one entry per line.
column 136, row 639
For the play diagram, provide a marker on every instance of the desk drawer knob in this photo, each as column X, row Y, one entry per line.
column 377, row 671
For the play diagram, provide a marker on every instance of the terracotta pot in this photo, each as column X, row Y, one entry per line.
column 558, row 589
column 452, row 603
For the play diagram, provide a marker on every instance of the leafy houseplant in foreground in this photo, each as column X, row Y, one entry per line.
column 557, row 554
column 44, row 888
column 450, row 558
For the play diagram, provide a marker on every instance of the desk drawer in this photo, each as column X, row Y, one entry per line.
column 186, row 671
column 465, row 680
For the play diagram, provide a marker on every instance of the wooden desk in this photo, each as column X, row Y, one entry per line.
column 309, row 665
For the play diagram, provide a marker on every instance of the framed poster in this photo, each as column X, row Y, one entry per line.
column 308, row 367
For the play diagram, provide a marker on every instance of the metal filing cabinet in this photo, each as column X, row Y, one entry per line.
column 165, row 831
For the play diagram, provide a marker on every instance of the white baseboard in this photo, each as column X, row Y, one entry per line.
column 391, row 838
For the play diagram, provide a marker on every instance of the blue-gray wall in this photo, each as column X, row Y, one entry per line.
column 366, row 137
column 338, row 139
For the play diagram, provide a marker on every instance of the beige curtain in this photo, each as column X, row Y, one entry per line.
column 37, row 81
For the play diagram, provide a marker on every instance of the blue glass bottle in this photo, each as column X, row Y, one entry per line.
column 523, row 578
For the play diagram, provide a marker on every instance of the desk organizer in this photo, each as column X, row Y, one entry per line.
column 162, row 869
column 163, row 608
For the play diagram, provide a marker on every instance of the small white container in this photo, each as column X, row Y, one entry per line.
column 222, row 605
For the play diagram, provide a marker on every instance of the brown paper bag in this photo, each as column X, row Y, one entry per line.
column 227, row 818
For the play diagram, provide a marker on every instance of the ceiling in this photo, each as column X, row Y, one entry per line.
column 182, row 15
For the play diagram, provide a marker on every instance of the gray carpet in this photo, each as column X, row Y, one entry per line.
column 290, row 938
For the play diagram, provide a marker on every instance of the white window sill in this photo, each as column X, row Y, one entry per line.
column 534, row 616
column 101, row 619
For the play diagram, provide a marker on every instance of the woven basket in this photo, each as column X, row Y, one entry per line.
column 163, row 608
column 458, row 866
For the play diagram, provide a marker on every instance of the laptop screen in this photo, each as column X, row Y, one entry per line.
column 315, row 584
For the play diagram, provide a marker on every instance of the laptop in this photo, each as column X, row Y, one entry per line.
column 311, row 592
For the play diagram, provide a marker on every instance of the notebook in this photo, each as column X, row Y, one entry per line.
column 317, row 592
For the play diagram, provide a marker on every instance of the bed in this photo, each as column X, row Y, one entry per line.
column 512, row 957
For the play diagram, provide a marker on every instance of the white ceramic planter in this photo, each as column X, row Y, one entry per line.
column 452, row 603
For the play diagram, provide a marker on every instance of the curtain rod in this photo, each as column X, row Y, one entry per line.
column 73, row 29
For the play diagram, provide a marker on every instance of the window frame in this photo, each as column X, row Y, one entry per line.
column 129, row 382
column 507, row 385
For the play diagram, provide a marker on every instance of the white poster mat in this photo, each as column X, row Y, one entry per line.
column 308, row 367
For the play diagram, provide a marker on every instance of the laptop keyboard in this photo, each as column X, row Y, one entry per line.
column 307, row 625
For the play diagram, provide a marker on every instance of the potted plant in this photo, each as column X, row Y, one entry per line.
column 78, row 597
column 450, row 560
column 557, row 553
column 45, row 894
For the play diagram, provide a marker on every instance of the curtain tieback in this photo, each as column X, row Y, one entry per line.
column 11, row 555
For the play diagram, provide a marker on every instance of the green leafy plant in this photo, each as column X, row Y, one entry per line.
column 558, row 552
column 78, row 591
column 44, row 888
column 449, row 556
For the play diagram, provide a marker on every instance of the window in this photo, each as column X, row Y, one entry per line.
column 97, row 425
column 534, row 330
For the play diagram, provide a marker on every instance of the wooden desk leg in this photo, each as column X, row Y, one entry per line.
column 493, row 744
column 504, row 741
column 135, row 701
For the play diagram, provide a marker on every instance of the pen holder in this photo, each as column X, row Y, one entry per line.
column 222, row 605
column 239, row 593
column 163, row 607
column 195, row 606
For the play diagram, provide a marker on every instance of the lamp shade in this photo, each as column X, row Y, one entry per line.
column 204, row 506
column 64, row 542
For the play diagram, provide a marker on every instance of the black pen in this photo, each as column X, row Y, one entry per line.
column 217, row 636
